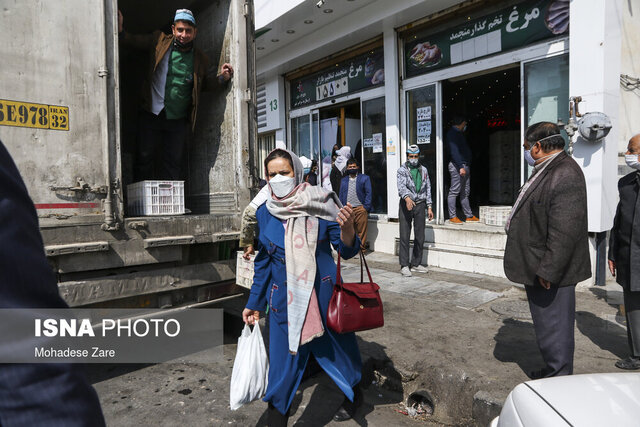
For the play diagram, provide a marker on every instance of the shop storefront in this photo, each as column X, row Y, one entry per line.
column 501, row 71
column 502, row 64
column 343, row 104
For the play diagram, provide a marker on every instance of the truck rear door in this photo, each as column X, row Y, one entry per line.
column 54, row 112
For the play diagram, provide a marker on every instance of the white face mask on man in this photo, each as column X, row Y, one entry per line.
column 527, row 157
column 281, row 185
column 632, row 161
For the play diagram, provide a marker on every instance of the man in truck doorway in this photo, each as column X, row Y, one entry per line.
column 176, row 74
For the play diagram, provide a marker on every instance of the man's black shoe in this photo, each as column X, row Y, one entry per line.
column 538, row 374
column 630, row 363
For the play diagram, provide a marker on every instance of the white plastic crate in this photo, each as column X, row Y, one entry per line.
column 495, row 215
column 244, row 270
column 156, row 198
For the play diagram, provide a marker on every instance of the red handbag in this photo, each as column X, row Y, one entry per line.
column 355, row 306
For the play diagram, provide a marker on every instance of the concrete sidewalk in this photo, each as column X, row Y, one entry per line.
column 456, row 341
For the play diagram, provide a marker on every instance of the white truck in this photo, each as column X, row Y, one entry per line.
column 69, row 100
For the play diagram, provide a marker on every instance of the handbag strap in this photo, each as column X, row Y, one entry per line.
column 363, row 261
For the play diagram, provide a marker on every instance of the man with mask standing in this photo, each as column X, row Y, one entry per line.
column 547, row 246
column 414, row 189
column 355, row 188
column 177, row 73
column 459, row 170
column 624, row 246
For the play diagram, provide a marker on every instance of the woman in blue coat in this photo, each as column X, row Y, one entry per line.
column 299, row 223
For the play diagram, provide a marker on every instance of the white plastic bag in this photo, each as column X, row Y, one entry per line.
column 250, row 368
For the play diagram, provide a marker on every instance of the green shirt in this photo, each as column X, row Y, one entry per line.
column 179, row 86
column 417, row 177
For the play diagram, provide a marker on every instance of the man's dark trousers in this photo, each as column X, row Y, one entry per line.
column 632, row 312
column 158, row 135
column 553, row 313
column 417, row 216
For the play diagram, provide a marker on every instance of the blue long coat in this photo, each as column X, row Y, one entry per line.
column 337, row 354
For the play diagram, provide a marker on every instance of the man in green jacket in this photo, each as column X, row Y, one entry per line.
column 177, row 73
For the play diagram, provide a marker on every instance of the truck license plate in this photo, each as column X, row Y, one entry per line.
column 29, row 115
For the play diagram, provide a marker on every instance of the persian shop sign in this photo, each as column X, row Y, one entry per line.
column 348, row 76
column 509, row 28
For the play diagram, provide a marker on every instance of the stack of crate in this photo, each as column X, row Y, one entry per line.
column 495, row 215
column 155, row 198
column 504, row 149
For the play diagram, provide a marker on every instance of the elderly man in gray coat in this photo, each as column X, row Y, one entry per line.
column 624, row 246
column 547, row 245
column 414, row 189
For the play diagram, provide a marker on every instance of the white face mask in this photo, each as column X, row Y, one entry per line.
column 413, row 162
column 632, row 161
column 527, row 157
column 281, row 185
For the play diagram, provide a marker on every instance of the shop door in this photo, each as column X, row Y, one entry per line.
column 545, row 95
column 314, row 137
column 423, row 128
column 373, row 153
column 335, row 127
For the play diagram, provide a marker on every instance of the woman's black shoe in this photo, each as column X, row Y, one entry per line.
column 275, row 418
column 349, row 408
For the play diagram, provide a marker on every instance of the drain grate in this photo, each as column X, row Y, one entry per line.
column 419, row 405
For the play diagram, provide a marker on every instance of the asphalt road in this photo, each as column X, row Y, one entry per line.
column 462, row 340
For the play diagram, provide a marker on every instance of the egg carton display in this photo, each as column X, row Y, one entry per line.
column 495, row 215
column 244, row 270
column 504, row 150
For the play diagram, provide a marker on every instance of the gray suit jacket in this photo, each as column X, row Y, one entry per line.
column 548, row 234
column 624, row 240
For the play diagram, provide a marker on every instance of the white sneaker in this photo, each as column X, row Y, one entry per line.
column 405, row 271
column 420, row 269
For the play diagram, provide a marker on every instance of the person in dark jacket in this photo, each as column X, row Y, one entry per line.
column 460, row 171
column 55, row 394
column 176, row 75
column 624, row 246
column 355, row 188
column 547, row 246
column 312, row 176
column 338, row 169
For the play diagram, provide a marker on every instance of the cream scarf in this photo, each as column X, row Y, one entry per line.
column 301, row 210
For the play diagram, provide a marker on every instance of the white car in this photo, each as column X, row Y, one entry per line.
column 574, row 400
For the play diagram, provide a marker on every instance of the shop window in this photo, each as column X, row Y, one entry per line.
column 546, row 92
column 266, row 143
column 374, row 159
column 421, row 107
column 301, row 136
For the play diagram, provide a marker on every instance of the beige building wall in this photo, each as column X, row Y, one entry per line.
column 630, row 65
